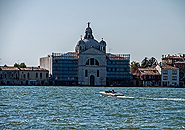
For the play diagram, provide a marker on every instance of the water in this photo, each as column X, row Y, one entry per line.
column 48, row 107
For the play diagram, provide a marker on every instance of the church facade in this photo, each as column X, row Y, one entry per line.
column 89, row 65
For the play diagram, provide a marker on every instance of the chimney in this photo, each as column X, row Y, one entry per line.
column 32, row 68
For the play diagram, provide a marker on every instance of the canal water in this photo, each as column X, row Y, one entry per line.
column 59, row 107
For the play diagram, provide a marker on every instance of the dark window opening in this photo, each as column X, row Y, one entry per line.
column 87, row 62
column 97, row 73
column 86, row 73
column 92, row 61
column 97, row 63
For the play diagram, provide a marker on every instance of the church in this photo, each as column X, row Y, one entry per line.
column 89, row 65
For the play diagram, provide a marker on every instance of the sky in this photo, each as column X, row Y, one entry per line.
column 31, row 29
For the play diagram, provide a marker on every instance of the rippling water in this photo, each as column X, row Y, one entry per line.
column 48, row 107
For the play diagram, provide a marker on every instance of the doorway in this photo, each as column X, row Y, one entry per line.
column 92, row 80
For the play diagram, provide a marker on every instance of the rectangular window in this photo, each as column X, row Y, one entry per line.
column 36, row 75
column 174, row 72
column 86, row 73
column 92, row 61
column 165, row 71
column 165, row 77
column 97, row 73
column 40, row 75
column 174, row 77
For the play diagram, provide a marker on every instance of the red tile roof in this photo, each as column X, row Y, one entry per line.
column 9, row 68
column 23, row 69
column 149, row 71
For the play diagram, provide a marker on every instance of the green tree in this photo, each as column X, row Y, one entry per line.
column 22, row 65
column 152, row 61
column 16, row 65
column 134, row 66
column 144, row 62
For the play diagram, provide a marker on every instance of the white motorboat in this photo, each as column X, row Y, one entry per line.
column 111, row 94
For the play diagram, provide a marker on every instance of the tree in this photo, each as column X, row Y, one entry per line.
column 148, row 62
column 152, row 62
column 144, row 62
column 22, row 65
column 134, row 66
column 16, row 65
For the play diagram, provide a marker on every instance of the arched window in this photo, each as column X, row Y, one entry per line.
column 92, row 61
column 87, row 62
column 16, row 76
column 96, row 62
column 28, row 75
column 86, row 73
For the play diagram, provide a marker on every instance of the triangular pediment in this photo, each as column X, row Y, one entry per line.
column 93, row 50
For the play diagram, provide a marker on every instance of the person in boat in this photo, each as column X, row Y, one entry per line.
column 113, row 91
column 108, row 91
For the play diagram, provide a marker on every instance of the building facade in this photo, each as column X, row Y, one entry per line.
column 89, row 65
column 171, row 59
column 24, row 76
column 169, row 76
column 149, row 76
column 181, row 66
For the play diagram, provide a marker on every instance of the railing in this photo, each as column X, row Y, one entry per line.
column 65, row 55
column 118, row 56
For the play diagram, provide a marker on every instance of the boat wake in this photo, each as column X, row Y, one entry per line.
column 169, row 99
column 155, row 99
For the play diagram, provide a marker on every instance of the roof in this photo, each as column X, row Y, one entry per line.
column 33, row 69
column 149, row 71
column 180, row 62
column 168, row 67
column 9, row 68
column 23, row 69
column 172, row 57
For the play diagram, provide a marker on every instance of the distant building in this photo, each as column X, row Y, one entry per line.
column 24, row 76
column 89, row 65
column 149, row 76
column 169, row 76
column 181, row 66
column 171, row 59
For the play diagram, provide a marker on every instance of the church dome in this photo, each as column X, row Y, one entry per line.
column 91, row 43
column 89, row 40
column 81, row 42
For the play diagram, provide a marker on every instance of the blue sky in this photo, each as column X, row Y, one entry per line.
column 31, row 29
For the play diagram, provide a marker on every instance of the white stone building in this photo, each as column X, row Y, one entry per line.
column 169, row 76
column 92, row 61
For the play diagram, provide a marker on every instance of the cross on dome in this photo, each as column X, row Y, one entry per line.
column 88, row 24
